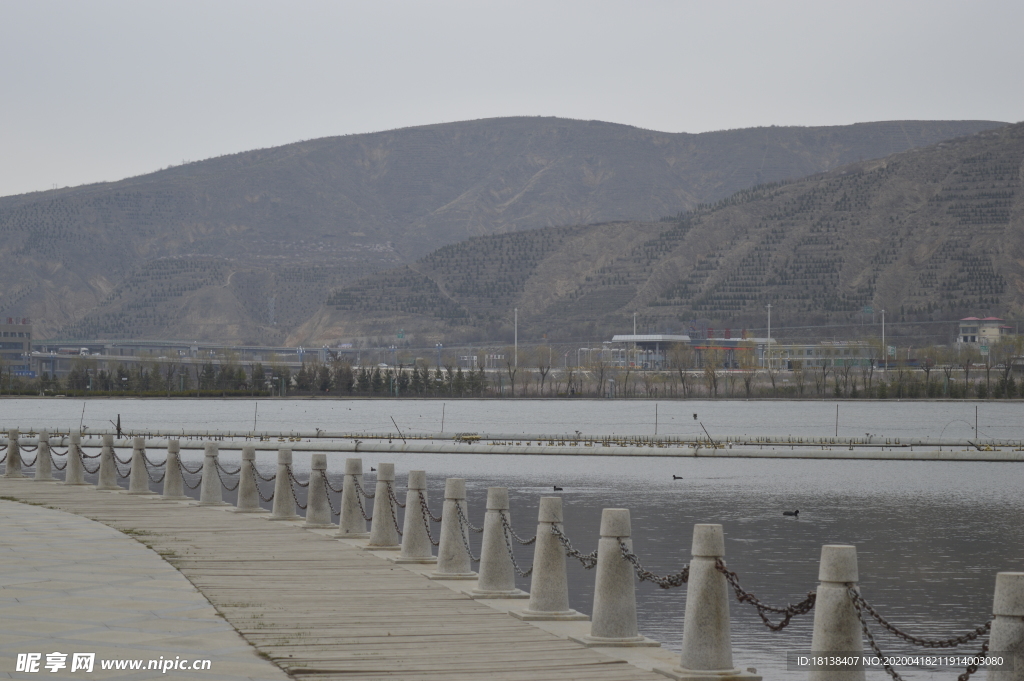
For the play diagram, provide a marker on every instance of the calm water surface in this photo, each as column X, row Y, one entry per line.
column 930, row 536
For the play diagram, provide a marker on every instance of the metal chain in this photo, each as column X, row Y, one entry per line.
column 81, row 450
column 362, row 511
column 971, row 668
column 744, row 596
column 589, row 560
column 463, row 521
column 272, row 478
column 154, row 465
column 183, row 467
column 427, row 518
column 393, row 513
column 156, row 481
column 118, row 471
column 227, row 472
column 426, row 509
column 3, row 448
column 126, row 462
column 359, row 488
column 26, row 448
column 90, row 472
column 505, row 532
column 29, row 463
column 57, row 465
column 394, row 499
column 53, row 450
column 256, row 482
column 327, row 493
column 678, row 579
column 182, row 470
column 917, row 641
column 3, row 458
column 224, row 484
column 328, row 483
column 291, row 488
column 294, row 479
column 508, row 527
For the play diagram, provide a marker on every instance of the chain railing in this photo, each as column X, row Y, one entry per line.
column 182, row 470
column 744, row 596
column 862, row 606
column 666, row 582
column 463, row 524
column 118, row 471
column 53, row 450
column 508, row 527
column 26, row 448
column 327, row 493
column 327, row 482
column 123, row 462
column 188, row 470
column 391, row 495
column 81, row 450
column 154, row 464
column 221, row 478
column 294, row 479
column 588, row 560
column 507, row 534
column 268, row 478
column 30, row 463
column 56, row 465
column 256, row 483
column 427, row 517
column 225, row 471
column 362, row 492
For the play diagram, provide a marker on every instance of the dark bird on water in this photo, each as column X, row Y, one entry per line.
column 557, row 488
column 372, row 469
column 795, row 514
column 677, row 477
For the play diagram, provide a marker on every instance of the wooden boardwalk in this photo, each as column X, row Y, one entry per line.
column 324, row 609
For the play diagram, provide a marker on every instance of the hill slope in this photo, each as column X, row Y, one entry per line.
column 926, row 234
column 271, row 231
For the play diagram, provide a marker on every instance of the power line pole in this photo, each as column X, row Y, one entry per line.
column 517, row 335
column 769, row 344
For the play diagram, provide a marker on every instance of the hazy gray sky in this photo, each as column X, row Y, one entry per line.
column 95, row 91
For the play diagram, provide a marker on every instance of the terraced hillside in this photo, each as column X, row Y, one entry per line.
column 288, row 224
column 927, row 234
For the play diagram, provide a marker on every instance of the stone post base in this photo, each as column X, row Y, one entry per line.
column 599, row 642
column 532, row 616
column 681, row 674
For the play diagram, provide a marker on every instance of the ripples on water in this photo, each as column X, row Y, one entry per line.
column 930, row 536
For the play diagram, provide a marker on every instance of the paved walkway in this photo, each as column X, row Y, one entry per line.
column 318, row 607
column 72, row 585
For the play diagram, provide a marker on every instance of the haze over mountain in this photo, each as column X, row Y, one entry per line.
column 928, row 234
column 244, row 248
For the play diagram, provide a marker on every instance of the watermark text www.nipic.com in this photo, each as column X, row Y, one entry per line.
column 87, row 662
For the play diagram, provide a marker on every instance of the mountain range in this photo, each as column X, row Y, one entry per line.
column 246, row 248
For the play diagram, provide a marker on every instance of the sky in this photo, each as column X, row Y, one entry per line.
column 96, row 91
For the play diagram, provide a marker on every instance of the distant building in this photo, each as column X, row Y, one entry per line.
column 16, row 345
column 987, row 331
column 647, row 351
column 822, row 354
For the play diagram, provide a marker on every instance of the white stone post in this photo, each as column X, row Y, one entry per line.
column 416, row 546
column 497, row 575
column 384, row 526
column 837, row 628
column 138, row 477
column 707, row 642
column 453, row 561
column 248, row 494
column 13, row 469
column 210, row 492
column 614, row 620
column 74, row 473
column 284, row 500
column 318, row 505
column 549, row 585
column 1007, row 636
column 351, row 524
column 108, row 467
column 44, row 466
column 174, row 486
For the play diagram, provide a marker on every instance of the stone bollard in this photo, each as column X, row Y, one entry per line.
column 138, row 477
column 44, row 465
column 174, row 485
column 453, row 560
column 74, row 471
column 497, row 575
column 837, row 628
column 13, row 469
column 284, row 498
column 614, row 620
column 1007, row 636
column 384, row 526
column 248, row 494
column 416, row 546
column 210, row 492
column 318, row 504
column 352, row 524
column 549, row 586
column 707, row 642
column 107, row 481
